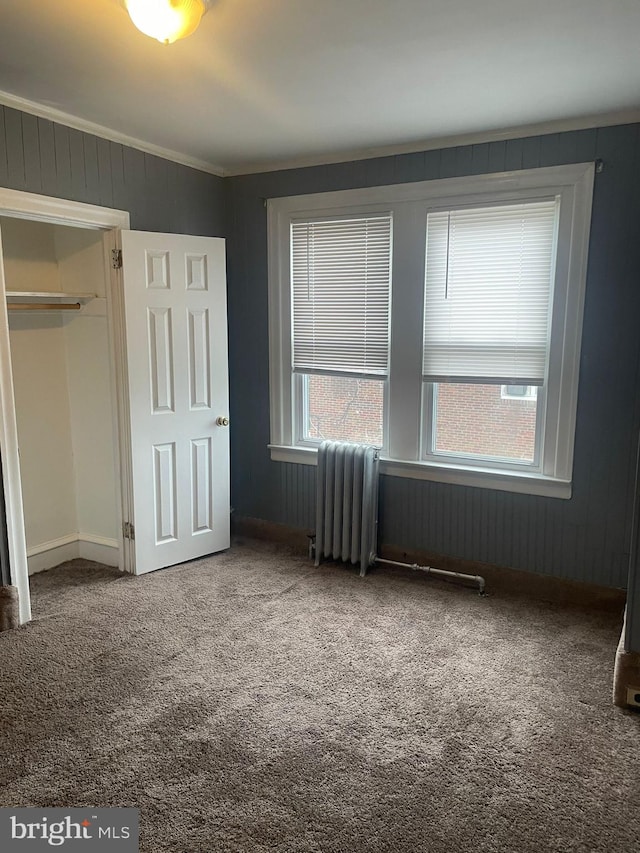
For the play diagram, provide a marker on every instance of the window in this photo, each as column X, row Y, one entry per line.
column 477, row 421
column 341, row 286
column 342, row 408
column 438, row 320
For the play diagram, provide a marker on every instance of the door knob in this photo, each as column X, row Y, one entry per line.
column 222, row 421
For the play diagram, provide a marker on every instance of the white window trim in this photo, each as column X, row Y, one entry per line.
column 410, row 202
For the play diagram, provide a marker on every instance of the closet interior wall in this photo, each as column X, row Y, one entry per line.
column 64, row 396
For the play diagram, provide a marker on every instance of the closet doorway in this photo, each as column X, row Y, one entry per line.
column 56, row 286
column 120, row 413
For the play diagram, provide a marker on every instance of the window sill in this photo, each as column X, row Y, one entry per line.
column 484, row 478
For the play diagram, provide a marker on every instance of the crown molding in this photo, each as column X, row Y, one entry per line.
column 437, row 142
column 60, row 117
column 429, row 144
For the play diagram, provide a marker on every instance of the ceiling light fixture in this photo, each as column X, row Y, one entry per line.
column 166, row 20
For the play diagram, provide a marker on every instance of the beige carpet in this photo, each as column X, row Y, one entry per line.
column 251, row 702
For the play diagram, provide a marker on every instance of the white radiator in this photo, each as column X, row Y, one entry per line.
column 347, row 503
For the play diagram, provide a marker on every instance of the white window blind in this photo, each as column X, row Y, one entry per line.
column 488, row 292
column 341, row 272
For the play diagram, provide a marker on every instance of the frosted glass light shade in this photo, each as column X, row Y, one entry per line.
column 166, row 20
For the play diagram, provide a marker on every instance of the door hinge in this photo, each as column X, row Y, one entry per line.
column 116, row 259
column 128, row 530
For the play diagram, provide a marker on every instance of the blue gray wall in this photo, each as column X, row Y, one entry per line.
column 586, row 538
column 38, row 156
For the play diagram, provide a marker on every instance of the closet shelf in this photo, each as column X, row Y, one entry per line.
column 30, row 300
column 41, row 297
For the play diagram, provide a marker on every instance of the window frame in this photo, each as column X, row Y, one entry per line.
column 403, row 454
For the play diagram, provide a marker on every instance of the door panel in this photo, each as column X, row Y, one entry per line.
column 176, row 331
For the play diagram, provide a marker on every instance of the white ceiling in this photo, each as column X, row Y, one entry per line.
column 264, row 83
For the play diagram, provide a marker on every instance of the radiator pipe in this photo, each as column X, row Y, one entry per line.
column 452, row 577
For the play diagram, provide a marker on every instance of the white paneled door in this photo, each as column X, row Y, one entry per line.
column 176, row 337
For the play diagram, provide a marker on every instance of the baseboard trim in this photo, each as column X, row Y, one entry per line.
column 626, row 674
column 49, row 554
column 43, row 547
column 99, row 549
column 505, row 580
column 258, row 528
column 46, row 555
column 499, row 579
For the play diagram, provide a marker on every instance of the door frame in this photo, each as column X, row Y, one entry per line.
column 56, row 211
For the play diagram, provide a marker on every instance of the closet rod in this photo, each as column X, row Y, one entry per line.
column 44, row 306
